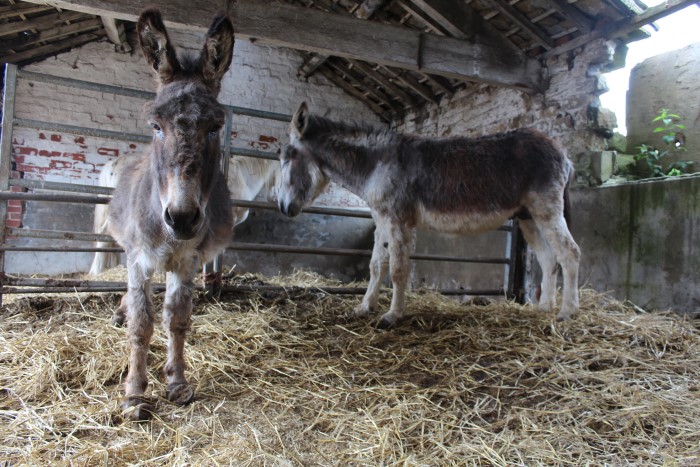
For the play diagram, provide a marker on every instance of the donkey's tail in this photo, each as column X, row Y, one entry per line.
column 567, row 202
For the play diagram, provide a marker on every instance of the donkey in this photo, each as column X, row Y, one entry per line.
column 171, row 210
column 453, row 185
column 250, row 178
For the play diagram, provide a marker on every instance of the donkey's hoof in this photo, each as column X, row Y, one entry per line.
column 180, row 393
column 387, row 321
column 359, row 311
column 118, row 320
column 565, row 315
column 137, row 409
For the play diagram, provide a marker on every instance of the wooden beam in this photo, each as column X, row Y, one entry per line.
column 41, row 22
column 52, row 48
column 347, row 87
column 624, row 26
column 360, row 80
column 51, row 34
column 383, row 81
column 115, row 32
column 11, row 11
column 413, row 84
column 463, row 22
column 285, row 25
column 519, row 19
column 573, row 14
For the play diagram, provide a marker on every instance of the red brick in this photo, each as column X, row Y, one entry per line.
column 108, row 152
column 56, row 138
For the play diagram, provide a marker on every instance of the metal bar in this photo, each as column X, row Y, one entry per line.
column 72, row 285
column 61, row 186
column 59, row 235
column 147, row 95
column 58, row 197
column 237, row 246
column 61, row 249
column 8, row 115
column 79, row 130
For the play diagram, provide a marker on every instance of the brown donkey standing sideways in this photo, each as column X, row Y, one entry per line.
column 455, row 185
column 171, row 209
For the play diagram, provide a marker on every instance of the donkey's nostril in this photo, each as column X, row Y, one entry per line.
column 182, row 222
column 168, row 218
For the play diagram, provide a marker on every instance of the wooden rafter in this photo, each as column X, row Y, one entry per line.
column 51, row 34
column 41, row 22
column 53, row 48
column 519, row 19
column 311, row 30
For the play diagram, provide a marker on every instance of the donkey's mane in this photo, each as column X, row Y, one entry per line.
column 320, row 126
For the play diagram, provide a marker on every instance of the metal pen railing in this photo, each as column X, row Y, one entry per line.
column 80, row 193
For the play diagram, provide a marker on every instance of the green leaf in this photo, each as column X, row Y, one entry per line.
column 681, row 127
column 659, row 129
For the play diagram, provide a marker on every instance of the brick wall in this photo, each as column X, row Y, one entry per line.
column 262, row 78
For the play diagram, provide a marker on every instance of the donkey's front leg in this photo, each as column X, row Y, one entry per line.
column 140, row 329
column 399, row 249
column 176, row 322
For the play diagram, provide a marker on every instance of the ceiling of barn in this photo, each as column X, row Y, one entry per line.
column 394, row 55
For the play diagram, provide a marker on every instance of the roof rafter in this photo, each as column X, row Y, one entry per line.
column 281, row 24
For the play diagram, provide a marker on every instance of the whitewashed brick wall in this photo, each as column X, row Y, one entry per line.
column 262, row 78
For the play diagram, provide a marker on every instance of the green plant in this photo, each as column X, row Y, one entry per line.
column 673, row 138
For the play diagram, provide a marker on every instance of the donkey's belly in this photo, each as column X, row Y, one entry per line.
column 463, row 223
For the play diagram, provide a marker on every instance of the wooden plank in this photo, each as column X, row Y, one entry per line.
column 463, row 22
column 51, row 34
column 383, row 81
column 11, row 11
column 41, row 22
column 573, row 14
column 360, row 80
column 285, row 25
column 625, row 26
column 518, row 18
column 347, row 87
column 413, row 84
column 53, row 48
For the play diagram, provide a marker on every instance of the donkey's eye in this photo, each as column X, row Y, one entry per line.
column 156, row 127
column 214, row 133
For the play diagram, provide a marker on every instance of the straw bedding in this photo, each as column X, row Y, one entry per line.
column 284, row 379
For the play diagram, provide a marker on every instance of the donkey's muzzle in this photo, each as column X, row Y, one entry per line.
column 289, row 209
column 183, row 224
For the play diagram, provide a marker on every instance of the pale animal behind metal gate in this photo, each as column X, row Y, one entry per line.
column 171, row 208
column 250, row 178
column 455, row 185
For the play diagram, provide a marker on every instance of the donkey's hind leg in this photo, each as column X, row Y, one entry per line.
column 399, row 249
column 378, row 266
column 119, row 316
column 546, row 259
column 177, row 310
column 554, row 230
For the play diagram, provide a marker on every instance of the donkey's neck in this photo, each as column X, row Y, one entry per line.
column 347, row 154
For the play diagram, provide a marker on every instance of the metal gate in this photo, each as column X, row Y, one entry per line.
column 78, row 193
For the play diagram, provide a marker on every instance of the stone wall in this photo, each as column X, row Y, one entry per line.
column 672, row 81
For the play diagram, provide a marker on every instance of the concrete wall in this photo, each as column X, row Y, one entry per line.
column 262, row 78
column 672, row 81
column 641, row 241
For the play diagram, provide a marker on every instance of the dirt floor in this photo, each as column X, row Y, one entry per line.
column 285, row 379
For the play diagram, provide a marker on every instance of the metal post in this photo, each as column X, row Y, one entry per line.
column 8, row 115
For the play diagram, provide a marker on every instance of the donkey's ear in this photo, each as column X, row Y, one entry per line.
column 156, row 46
column 217, row 52
column 300, row 120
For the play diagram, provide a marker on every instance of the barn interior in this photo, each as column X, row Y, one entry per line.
column 284, row 378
